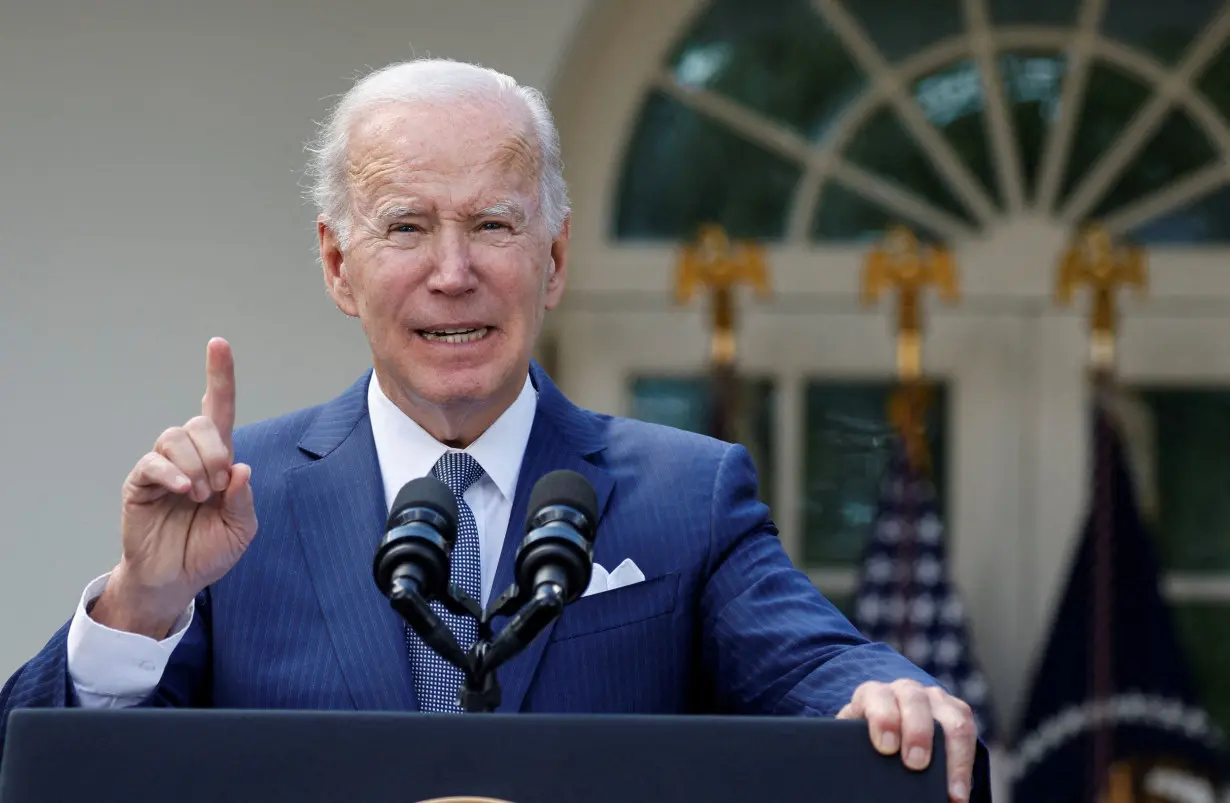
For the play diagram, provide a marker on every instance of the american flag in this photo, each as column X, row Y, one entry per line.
column 905, row 598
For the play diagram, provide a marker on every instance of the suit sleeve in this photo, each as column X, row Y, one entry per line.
column 45, row 682
column 771, row 641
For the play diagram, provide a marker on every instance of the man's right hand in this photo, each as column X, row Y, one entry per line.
column 187, row 513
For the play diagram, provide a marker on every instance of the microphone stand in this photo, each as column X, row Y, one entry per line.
column 480, row 689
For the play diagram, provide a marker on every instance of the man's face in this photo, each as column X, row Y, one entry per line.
column 450, row 266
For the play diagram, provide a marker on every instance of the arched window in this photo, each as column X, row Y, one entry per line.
column 815, row 124
column 823, row 121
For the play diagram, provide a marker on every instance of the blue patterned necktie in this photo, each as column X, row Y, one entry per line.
column 436, row 681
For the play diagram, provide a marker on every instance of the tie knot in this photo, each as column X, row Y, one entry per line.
column 457, row 470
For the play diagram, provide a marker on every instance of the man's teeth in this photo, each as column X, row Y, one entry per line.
column 455, row 335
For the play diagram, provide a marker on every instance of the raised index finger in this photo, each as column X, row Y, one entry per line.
column 219, row 401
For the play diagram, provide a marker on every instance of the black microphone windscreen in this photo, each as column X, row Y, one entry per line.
column 426, row 492
column 564, row 487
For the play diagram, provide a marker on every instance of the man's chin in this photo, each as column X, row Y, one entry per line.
column 458, row 383
column 456, row 387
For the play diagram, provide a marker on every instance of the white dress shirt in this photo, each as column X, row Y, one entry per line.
column 114, row 669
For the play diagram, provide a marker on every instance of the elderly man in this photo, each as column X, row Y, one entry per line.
column 443, row 228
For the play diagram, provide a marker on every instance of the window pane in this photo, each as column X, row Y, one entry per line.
column 844, row 215
column 1111, row 101
column 683, row 169
column 1205, row 220
column 849, row 440
column 683, row 402
column 1202, row 630
column 884, row 147
column 953, row 101
column 1191, row 434
column 1178, row 148
column 1033, row 84
column 1166, row 33
column 901, row 28
column 1035, row 12
column 673, row 401
column 777, row 57
column 1215, row 82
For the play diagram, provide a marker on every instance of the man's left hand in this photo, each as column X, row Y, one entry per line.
column 901, row 716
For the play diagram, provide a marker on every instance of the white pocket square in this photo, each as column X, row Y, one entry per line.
column 625, row 574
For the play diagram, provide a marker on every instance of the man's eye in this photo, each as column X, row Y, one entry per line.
column 405, row 228
column 494, row 225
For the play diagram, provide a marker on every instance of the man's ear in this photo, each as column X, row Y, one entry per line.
column 557, row 267
column 333, row 260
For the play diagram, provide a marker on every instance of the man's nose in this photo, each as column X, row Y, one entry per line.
column 452, row 269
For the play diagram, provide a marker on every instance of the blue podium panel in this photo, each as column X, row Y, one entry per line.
column 186, row 756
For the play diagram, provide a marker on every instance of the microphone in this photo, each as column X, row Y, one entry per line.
column 559, row 544
column 554, row 561
column 419, row 537
column 411, row 566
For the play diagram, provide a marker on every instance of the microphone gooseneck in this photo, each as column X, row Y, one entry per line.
column 552, row 568
column 411, row 566
column 554, row 562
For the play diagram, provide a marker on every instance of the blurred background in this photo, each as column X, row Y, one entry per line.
column 151, row 196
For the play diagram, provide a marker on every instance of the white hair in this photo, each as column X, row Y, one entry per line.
column 432, row 80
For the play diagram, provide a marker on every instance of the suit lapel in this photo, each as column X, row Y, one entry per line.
column 562, row 437
column 339, row 506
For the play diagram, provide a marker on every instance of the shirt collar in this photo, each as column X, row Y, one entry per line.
column 406, row 451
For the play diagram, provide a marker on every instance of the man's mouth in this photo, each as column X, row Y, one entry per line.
column 463, row 335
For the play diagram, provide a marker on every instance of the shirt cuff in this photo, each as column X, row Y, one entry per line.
column 111, row 668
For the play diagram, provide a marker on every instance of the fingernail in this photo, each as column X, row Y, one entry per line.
column 917, row 758
column 221, row 480
column 888, row 742
column 202, row 490
column 959, row 791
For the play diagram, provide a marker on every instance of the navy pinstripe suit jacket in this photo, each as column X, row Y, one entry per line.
column 722, row 623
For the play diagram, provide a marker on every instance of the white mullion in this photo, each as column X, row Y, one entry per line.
column 749, row 124
column 846, row 125
column 1018, row 37
column 1145, row 124
column 933, row 144
column 1139, row 65
column 894, row 198
column 1151, row 71
column 1205, row 48
column 941, row 153
column 820, row 163
column 1055, row 152
column 806, row 201
column 999, row 127
column 790, row 434
column 1175, row 195
column 1132, row 139
column 1209, row 119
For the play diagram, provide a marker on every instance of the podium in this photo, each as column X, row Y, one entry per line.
column 191, row 756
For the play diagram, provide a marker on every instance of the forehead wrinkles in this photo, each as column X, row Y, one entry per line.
column 516, row 154
column 458, row 146
column 366, row 177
